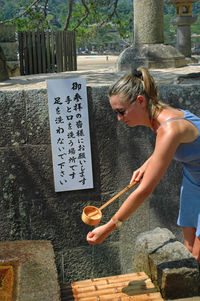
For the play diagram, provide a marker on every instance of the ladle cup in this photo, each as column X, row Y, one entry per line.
column 92, row 215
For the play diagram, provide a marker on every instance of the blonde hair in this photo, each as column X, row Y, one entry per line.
column 139, row 82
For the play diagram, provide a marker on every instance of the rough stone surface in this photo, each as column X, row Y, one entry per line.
column 148, row 49
column 168, row 263
column 148, row 21
column 7, row 33
column 13, row 68
column 9, row 44
column 35, row 274
column 183, row 37
column 10, row 50
column 3, row 68
column 150, row 56
column 30, row 208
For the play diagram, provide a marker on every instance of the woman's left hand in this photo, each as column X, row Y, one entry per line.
column 98, row 235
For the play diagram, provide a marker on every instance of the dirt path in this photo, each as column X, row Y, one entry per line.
column 95, row 62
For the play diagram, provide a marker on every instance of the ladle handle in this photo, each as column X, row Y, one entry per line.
column 117, row 195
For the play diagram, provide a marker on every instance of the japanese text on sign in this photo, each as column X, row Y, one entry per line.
column 70, row 135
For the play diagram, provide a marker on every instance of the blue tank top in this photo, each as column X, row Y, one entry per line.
column 189, row 153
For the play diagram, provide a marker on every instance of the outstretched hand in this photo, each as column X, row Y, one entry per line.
column 99, row 234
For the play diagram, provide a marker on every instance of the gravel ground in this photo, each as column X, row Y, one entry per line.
column 99, row 70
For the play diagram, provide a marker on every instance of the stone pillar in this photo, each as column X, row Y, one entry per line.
column 9, row 45
column 183, row 39
column 148, row 23
column 148, row 49
column 183, row 20
column 3, row 67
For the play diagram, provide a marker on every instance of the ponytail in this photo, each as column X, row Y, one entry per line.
column 139, row 82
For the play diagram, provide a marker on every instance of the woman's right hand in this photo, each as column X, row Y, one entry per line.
column 138, row 175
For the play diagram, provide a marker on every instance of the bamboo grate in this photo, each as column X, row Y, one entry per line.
column 128, row 287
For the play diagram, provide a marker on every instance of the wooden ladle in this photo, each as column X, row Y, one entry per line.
column 92, row 215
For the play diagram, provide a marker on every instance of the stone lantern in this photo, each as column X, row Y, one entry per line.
column 148, row 48
column 183, row 21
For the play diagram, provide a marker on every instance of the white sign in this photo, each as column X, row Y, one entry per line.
column 70, row 135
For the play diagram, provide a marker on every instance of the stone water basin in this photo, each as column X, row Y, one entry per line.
column 28, row 271
column 7, row 277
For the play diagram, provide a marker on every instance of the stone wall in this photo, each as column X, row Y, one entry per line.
column 9, row 44
column 31, row 210
column 171, row 267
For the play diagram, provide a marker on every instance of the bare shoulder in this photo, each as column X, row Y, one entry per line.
column 168, row 138
column 180, row 129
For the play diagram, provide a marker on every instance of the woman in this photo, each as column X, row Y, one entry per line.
column 134, row 98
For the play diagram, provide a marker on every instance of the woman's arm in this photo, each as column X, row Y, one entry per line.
column 138, row 173
column 166, row 145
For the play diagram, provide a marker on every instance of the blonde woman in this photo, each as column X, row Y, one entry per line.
column 134, row 98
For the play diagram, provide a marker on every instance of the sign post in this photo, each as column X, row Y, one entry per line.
column 70, row 135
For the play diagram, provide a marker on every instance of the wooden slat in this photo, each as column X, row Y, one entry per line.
column 59, row 52
column 26, row 53
column 39, row 54
column 21, row 52
column 47, row 34
column 74, row 51
column 35, row 69
column 30, row 53
column 120, row 297
column 42, row 52
column 111, row 279
column 132, row 287
column 70, row 47
column 53, row 51
column 65, row 57
column 136, row 284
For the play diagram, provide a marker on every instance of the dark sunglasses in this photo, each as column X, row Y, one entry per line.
column 120, row 112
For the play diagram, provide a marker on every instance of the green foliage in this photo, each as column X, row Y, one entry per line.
column 33, row 21
column 100, row 26
column 33, row 18
column 169, row 30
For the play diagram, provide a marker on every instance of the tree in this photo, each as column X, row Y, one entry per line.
column 90, row 17
column 31, row 17
column 95, row 21
column 87, row 17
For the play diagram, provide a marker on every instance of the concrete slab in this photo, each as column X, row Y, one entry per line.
column 28, row 272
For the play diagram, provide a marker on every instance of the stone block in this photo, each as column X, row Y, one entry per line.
column 7, row 33
column 106, row 259
column 3, row 67
column 74, row 264
column 38, row 128
column 12, row 118
column 151, row 56
column 10, row 50
column 13, row 68
column 28, row 272
column 170, row 265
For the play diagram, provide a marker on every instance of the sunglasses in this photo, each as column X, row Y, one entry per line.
column 120, row 112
